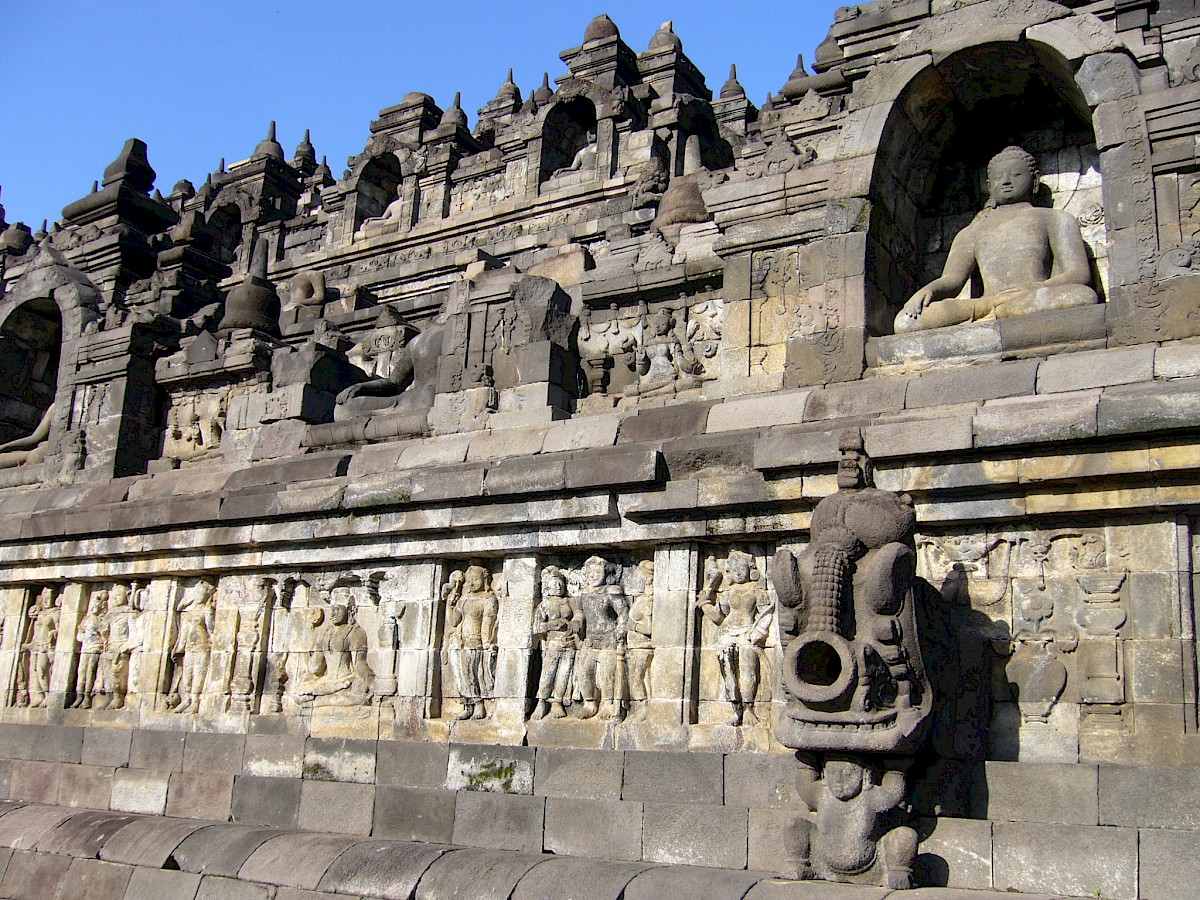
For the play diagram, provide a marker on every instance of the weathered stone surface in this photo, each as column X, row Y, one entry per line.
column 1067, row 859
column 22, row 828
column 161, row 751
column 380, row 869
column 1039, row 792
column 266, row 801
column 659, row 777
column 220, row 849
column 1099, row 368
column 139, row 791
column 499, row 821
column 294, row 860
column 598, row 879
column 1167, row 863
column 148, row 842
column 688, row 881
column 694, row 834
column 1150, row 796
column 587, row 774
column 761, row 780
column 336, row 807
column 213, row 753
column 956, row 853
column 485, row 874
column 607, row 829
column 414, row 814
column 411, row 764
column 84, row 834
column 151, row 884
column 217, row 888
column 200, row 796
column 89, row 786
column 106, row 746
column 31, row 876
column 87, row 878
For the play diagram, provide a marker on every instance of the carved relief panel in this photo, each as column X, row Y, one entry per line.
column 737, row 645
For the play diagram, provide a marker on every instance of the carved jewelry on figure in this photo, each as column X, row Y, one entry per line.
column 600, row 680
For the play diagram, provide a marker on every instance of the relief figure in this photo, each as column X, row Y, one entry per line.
column 471, row 646
column 639, row 643
column 600, row 680
column 90, row 637
column 742, row 611
column 44, row 617
column 192, row 649
column 558, row 621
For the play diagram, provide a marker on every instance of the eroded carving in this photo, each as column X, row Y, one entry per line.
column 735, row 601
column 471, row 612
column 558, row 622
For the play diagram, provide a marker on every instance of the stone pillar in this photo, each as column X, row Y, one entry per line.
column 673, row 685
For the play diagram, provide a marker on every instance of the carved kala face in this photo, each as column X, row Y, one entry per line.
column 1010, row 181
column 843, row 779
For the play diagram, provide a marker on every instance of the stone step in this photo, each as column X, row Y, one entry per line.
column 52, row 851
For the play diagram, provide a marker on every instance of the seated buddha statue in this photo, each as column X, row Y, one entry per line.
column 1029, row 258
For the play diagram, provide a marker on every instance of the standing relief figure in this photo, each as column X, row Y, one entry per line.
column 558, row 621
column 90, row 637
column 640, row 647
column 40, row 647
column 600, row 679
column 192, row 649
column 247, row 653
column 741, row 610
column 122, row 638
column 471, row 645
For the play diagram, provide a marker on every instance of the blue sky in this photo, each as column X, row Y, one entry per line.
column 201, row 80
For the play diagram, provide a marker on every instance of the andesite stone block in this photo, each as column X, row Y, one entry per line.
column 695, row 834
column 1068, row 859
column 338, row 807
column 585, row 774
column 261, row 800
column 294, row 860
column 604, row 829
column 200, row 795
column 663, row 777
column 499, row 821
column 380, row 869
column 414, row 814
column 221, row 849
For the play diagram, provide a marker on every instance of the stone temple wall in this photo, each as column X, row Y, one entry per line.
column 475, row 493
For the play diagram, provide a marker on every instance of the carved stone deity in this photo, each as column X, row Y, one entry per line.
column 340, row 675
column 471, row 648
column 90, row 637
column 742, row 612
column 851, row 835
column 32, row 447
column 600, row 679
column 852, row 667
column 558, row 620
column 639, row 642
column 403, row 370
column 122, row 638
column 44, row 617
column 664, row 364
column 192, row 648
column 1029, row 258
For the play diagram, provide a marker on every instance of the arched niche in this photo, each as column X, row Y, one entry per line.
column 225, row 222
column 567, row 129
column 375, row 187
column 30, row 349
column 929, row 176
column 700, row 143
